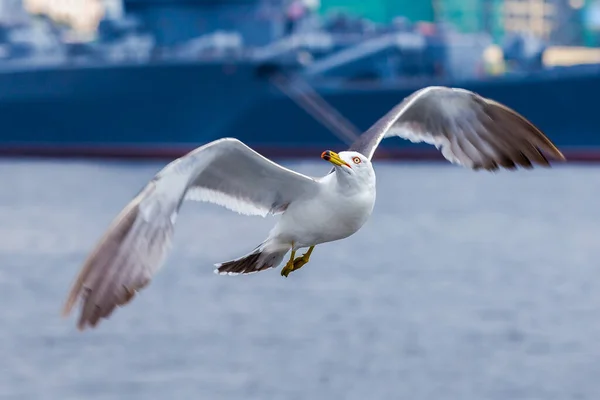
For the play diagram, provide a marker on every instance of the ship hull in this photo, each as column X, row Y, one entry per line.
column 130, row 110
column 164, row 111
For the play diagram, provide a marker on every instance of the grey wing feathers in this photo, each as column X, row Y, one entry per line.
column 134, row 247
column 123, row 261
column 469, row 130
column 245, row 181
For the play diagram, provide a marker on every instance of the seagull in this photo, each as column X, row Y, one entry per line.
column 469, row 130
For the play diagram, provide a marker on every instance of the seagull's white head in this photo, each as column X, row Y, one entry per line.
column 351, row 164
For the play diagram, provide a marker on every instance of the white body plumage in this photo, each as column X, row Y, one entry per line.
column 342, row 205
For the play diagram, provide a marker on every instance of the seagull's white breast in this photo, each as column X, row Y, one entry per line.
column 333, row 214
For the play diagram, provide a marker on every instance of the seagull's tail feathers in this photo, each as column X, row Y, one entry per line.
column 126, row 258
column 263, row 257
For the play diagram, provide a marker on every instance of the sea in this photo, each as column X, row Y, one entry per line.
column 463, row 285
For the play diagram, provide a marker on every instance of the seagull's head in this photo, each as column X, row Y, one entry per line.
column 351, row 163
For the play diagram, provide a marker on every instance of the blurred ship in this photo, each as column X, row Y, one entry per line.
column 157, row 78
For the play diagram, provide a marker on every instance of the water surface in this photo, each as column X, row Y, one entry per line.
column 463, row 285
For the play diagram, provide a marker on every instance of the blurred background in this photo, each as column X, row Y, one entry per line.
column 159, row 77
column 463, row 285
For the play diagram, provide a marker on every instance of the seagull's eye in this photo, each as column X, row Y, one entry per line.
column 356, row 160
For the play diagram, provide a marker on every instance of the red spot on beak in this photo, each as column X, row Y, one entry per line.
column 333, row 158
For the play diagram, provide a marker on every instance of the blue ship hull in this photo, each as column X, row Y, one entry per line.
column 562, row 104
column 165, row 110
column 129, row 110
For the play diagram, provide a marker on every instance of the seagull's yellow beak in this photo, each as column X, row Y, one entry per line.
column 334, row 158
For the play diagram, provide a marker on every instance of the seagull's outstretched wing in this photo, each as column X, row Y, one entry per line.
column 470, row 130
column 225, row 172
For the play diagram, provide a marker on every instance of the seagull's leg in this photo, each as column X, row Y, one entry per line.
column 301, row 261
column 289, row 267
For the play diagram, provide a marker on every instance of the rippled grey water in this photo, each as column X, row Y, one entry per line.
column 463, row 286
